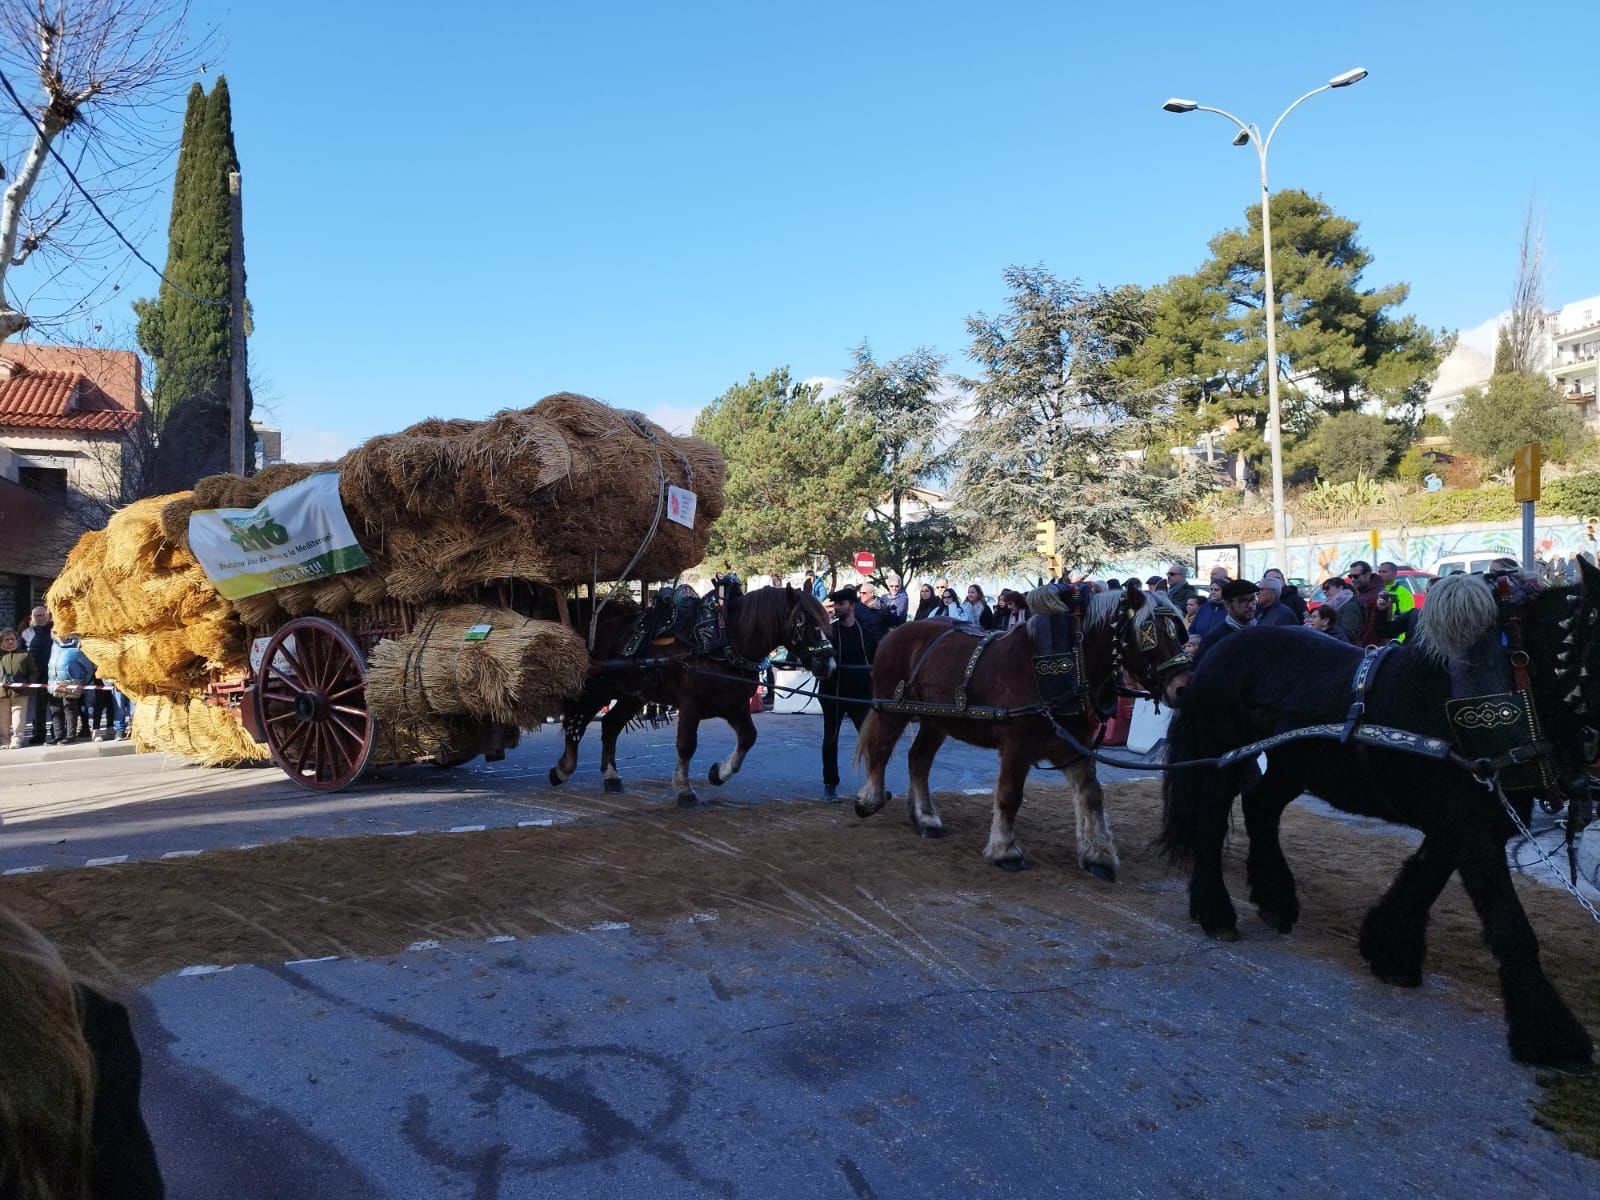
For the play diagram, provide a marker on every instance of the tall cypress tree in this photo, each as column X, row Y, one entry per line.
column 186, row 337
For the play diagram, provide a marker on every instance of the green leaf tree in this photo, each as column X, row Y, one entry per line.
column 1513, row 410
column 802, row 474
column 909, row 413
column 186, row 337
column 1348, row 445
column 1059, row 430
column 1341, row 345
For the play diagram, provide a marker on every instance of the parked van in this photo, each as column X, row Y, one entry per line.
column 1474, row 565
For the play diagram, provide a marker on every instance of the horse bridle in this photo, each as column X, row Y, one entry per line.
column 1147, row 640
column 796, row 641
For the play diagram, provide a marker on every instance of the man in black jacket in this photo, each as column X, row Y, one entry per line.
column 848, row 691
column 36, row 640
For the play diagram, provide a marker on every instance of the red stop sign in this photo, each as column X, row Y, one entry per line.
column 866, row 563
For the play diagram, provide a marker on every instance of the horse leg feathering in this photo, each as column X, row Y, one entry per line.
column 919, row 799
column 1097, row 850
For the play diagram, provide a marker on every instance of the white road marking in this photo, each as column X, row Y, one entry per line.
column 425, row 944
column 182, row 853
column 398, row 832
column 699, row 917
column 501, row 937
column 300, row 962
column 468, row 828
column 22, row 870
column 204, row 969
column 542, row 823
column 605, row 926
column 106, row 862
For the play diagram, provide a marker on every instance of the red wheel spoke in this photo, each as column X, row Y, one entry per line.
column 294, row 663
column 349, row 710
column 280, row 697
column 347, row 751
column 299, row 731
column 305, row 749
column 283, row 716
column 349, row 691
column 333, row 663
column 355, row 734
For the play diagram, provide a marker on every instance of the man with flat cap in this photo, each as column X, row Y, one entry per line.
column 848, row 691
column 1239, row 608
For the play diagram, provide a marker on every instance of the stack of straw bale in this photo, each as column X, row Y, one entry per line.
column 559, row 493
column 146, row 613
column 187, row 725
column 517, row 675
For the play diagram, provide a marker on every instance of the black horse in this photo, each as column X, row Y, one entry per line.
column 699, row 687
column 1256, row 683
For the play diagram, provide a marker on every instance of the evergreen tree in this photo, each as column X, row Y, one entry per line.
column 1341, row 345
column 802, row 473
column 910, row 419
column 1060, row 429
column 186, row 337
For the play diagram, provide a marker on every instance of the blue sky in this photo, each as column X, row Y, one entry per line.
column 452, row 209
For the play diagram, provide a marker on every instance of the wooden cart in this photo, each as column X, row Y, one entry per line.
column 304, row 696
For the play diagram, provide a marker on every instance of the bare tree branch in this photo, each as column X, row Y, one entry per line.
column 95, row 81
column 1521, row 348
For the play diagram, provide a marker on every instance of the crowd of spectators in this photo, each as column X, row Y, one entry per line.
column 51, row 694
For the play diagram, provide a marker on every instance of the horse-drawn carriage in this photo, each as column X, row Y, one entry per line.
column 407, row 603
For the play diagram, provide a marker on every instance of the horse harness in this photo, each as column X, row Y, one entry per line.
column 960, row 708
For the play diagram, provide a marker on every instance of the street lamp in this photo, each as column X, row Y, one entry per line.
column 1251, row 133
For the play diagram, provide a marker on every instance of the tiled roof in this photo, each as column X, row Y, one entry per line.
column 68, row 388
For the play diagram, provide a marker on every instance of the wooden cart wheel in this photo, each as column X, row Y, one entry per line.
column 311, row 688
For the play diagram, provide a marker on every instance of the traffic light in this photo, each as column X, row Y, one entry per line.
column 1044, row 539
column 1525, row 472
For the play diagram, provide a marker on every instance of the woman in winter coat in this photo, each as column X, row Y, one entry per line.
column 17, row 671
column 70, row 670
column 1341, row 597
column 927, row 603
column 976, row 609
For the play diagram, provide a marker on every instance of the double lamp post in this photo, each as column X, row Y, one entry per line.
column 1251, row 135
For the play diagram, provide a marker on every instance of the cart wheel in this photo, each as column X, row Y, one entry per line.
column 313, row 701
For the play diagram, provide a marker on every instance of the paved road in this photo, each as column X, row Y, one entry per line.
column 69, row 813
column 946, row 1049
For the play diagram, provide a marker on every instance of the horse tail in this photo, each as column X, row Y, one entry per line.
column 1181, row 791
column 864, row 739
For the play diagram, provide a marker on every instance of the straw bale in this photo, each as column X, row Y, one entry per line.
column 133, row 536
column 518, row 675
column 105, row 654
column 332, row 596
column 260, row 611
column 157, row 663
column 297, row 599
column 207, row 733
column 220, row 644
column 367, row 587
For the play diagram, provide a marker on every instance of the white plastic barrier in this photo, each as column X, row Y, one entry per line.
column 798, row 701
column 1148, row 726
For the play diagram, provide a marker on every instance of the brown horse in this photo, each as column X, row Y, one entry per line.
column 1128, row 632
column 699, row 687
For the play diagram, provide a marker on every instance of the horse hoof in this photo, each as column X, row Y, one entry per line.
column 1101, row 872
column 612, row 785
column 1229, row 934
column 556, row 779
column 687, row 800
column 714, row 775
column 1398, row 978
column 930, row 831
column 1012, row 864
column 1275, row 922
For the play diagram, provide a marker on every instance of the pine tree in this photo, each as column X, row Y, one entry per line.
column 186, row 337
column 1059, row 430
column 801, row 474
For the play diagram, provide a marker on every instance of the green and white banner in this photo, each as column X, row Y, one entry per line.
column 295, row 535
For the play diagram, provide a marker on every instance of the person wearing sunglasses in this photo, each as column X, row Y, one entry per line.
column 1179, row 589
column 1368, row 587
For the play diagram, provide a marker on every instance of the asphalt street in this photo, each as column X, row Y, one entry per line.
column 861, row 1049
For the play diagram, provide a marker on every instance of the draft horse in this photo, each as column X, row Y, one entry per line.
column 1259, row 683
column 1127, row 633
column 700, row 687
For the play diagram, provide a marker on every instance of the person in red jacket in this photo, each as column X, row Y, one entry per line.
column 1368, row 587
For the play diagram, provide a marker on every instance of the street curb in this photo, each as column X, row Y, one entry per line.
column 28, row 755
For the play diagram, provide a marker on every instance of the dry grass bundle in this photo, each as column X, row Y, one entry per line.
column 207, row 733
column 518, row 675
column 259, row 612
column 134, row 535
column 217, row 643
